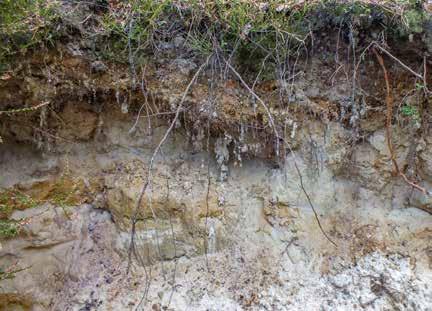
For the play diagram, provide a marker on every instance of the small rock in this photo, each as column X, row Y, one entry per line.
column 74, row 49
column 185, row 66
column 264, row 6
column 428, row 6
column 283, row 8
column 179, row 41
column 98, row 67
column 156, row 307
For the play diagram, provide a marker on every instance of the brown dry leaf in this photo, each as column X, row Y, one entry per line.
column 6, row 76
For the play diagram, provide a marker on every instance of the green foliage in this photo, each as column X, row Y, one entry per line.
column 414, row 20
column 411, row 114
column 8, row 229
column 5, row 209
column 410, row 111
column 64, row 193
column 419, row 86
column 5, row 275
column 200, row 43
column 252, row 31
column 128, row 30
column 13, row 199
column 10, row 273
column 25, row 24
column 134, row 31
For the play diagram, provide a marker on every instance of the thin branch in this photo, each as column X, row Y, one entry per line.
column 175, row 250
column 207, row 195
column 425, row 75
column 398, row 61
column 156, row 151
column 291, row 150
column 272, row 123
column 145, row 104
column 310, row 201
column 389, row 103
column 28, row 109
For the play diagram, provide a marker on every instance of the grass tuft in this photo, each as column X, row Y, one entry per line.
column 127, row 30
column 8, row 229
column 25, row 24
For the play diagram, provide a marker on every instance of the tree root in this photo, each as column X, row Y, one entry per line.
column 389, row 116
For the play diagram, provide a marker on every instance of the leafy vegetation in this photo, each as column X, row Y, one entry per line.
column 131, row 26
column 249, row 32
column 62, row 193
column 10, row 272
column 8, row 229
column 128, row 29
column 25, row 24
column 411, row 112
column 13, row 199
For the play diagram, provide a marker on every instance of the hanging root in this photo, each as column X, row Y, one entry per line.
column 389, row 103
column 308, row 197
column 278, row 139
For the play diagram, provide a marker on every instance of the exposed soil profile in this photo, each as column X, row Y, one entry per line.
column 215, row 155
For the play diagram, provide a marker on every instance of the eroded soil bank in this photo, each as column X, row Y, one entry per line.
column 226, row 229
column 265, row 194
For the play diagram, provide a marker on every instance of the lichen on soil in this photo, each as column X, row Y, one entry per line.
column 215, row 155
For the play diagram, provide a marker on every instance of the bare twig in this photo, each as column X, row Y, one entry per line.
column 175, row 250
column 151, row 162
column 398, row 61
column 130, row 53
column 272, row 123
column 28, row 109
column 145, row 104
column 207, row 197
column 289, row 147
column 167, row 133
column 425, row 75
column 389, row 103
column 307, row 195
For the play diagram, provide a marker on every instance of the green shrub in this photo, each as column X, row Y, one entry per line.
column 127, row 30
column 24, row 24
column 410, row 111
column 8, row 229
column 12, row 199
column 10, row 272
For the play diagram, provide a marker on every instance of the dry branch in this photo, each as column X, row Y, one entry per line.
column 272, row 123
column 156, row 151
column 28, row 109
column 389, row 116
column 132, row 247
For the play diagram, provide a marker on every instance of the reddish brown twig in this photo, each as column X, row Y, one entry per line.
column 389, row 103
